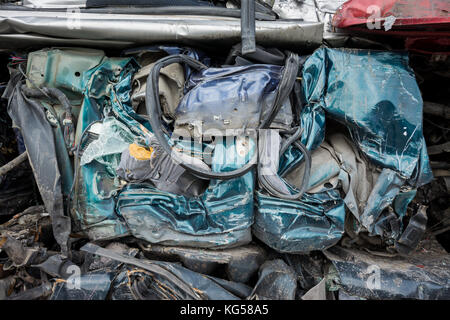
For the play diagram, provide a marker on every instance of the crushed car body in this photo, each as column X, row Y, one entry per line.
column 224, row 150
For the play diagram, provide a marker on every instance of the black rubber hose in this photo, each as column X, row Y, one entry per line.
column 291, row 139
column 298, row 101
column 154, row 112
column 305, row 180
column 284, row 88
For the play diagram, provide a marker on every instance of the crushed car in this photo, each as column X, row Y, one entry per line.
column 236, row 150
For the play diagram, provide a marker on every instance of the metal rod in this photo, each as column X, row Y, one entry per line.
column 13, row 163
column 248, row 26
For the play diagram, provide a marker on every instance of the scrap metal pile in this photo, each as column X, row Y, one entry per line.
column 166, row 159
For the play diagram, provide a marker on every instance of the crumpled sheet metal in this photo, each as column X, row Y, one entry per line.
column 93, row 205
column 422, row 276
column 312, row 120
column 277, row 281
column 315, row 222
column 20, row 255
column 171, row 84
column 313, row 10
column 325, row 168
column 220, row 217
column 386, row 125
column 31, row 225
column 176, row 282
column 309, row 268
column 240, row 263
column 178, row 29
column 61, row 68
column 40, row 140
column 403, row 12
column 218, row 99
column 335, row 161
column 367, row 190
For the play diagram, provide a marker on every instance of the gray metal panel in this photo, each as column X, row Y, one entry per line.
column 145, row 29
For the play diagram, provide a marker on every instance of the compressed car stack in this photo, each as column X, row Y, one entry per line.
column 224, row 150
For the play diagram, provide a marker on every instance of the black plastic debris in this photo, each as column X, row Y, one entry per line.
column 277, row 281
column 422, row 275
column 170, row 278
column 241, row 263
